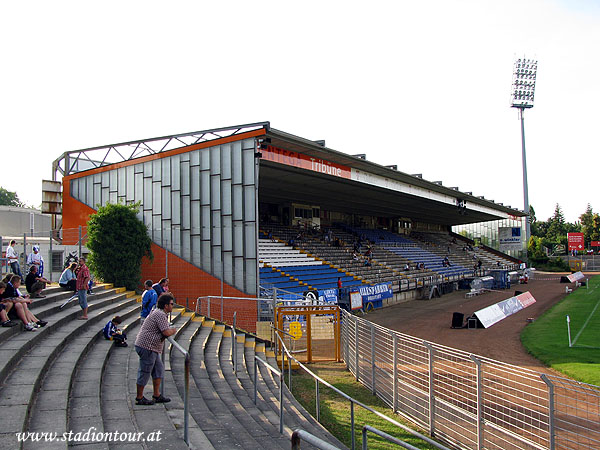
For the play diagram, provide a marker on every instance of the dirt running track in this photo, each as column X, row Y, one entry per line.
column 431, row 320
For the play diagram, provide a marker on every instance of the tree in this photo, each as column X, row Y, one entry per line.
column 587, row 224
column 557, row 229
column 9, row 198
column 595, row 234
column 118, row 241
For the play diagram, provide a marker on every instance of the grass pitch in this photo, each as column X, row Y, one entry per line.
column 547, row 338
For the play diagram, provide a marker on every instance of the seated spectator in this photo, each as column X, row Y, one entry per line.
column 367, row 262
column 406, row 267
column 160, row 286
column 16, row 305
column 35, row 284
column 354, row 256
column 68, row 279
column 4, row 320
column 149, row 299
column 112, row 333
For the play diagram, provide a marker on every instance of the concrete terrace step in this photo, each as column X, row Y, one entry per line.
column 27, row 358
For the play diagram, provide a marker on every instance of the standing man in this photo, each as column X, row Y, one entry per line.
column 149, row 346
column 83, row 279
column 149, row 299
column 160, row 286
column 13, row 259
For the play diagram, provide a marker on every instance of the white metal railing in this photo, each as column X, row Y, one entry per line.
column 186, row 395
column 469, row 401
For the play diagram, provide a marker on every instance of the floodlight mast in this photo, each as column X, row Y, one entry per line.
column 523, row 91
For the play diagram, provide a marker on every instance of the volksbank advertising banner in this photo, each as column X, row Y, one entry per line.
column 329, row 295
column 377, row 292
column 510, row 238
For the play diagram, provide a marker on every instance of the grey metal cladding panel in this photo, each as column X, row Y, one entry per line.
column 205, row 256
column 139, row 187
column 249, row 144
column 227, row 233
column 184, row 156
column 196, row 250
column 186, row 245
column 147, row 204
column 194, row 158
column 250, row 243
column 175, row 172
column 236, row 163
column 215, row 160
column 195, row 222
column 121, row 179
column 205, row 187
column 250, row 275
column 228, row 268
column 216, row 262
column 226, row 194
column 238, row 238
column 97, row 195
column 112, row 197
column 156, row 169
column 248, row 166
column 166, row 202
column 216, row 228
column 167, row 241
column 238, row 202
column 185, row 212
column 156, row 198
column 130, row 195
column 157, row 230
column 175, row 208
column 205, row 222
column 74, row 188
column 166, row 171
column 89, row 192
column 238, row 273
column 226, row 161
column 139, row 168
column 97, row 178
column 148, row 169
column 105, row 195
column 215, row 192
column 205, row 158
column 185, row 178
column 148, row 220
column 113, row 184
column 249, row 203
column 176, row 240
column 105, row 179
column 194, row 188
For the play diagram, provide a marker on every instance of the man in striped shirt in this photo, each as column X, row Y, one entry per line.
column 83, row 279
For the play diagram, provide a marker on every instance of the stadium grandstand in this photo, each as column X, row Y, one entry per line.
column 249, row 222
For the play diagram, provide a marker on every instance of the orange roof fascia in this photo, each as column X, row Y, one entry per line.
column 176, row 151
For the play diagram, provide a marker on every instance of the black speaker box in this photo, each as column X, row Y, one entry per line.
column 457, row 320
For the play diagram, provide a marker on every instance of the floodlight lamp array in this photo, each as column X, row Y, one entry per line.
column 523, row 85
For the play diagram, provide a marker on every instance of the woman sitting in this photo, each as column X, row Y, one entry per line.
column 68, row 279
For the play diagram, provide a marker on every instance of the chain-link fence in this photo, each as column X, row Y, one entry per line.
column 470, row 401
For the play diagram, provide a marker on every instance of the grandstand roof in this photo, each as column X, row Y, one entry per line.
column 363, row 187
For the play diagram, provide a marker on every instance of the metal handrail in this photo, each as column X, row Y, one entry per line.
column 299, row 435
column 281, row 385
column 186, row 395
column 353, row 402
column 386, row 436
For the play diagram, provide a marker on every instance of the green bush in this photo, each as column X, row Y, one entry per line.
column 118, row 241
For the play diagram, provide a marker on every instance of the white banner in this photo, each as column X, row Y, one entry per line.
column 510, row 238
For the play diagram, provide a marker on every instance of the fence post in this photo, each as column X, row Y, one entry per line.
column 356, row 347
column 50, row 255
column 431, row 390
column 317, row 400
column 352, row 424
column 395, row 372
column 373, row 372
column 346, row 332
column 24, row 265
column 79, row 241
column 479, row 403
column 551, row 429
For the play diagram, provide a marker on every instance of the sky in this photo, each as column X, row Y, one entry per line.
column 424, row 85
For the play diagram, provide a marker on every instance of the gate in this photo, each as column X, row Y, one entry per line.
column 311, row 332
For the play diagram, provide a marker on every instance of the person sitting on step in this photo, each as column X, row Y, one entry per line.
column 112, row 332
column 16, row 305
column 68, row 279
column 35, row 284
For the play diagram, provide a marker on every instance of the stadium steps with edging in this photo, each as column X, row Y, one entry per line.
column 25, row 357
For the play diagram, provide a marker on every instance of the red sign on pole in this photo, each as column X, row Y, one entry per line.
column 575, row 241
column 595, row 243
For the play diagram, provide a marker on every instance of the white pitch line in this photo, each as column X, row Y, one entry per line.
column 586, row 322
